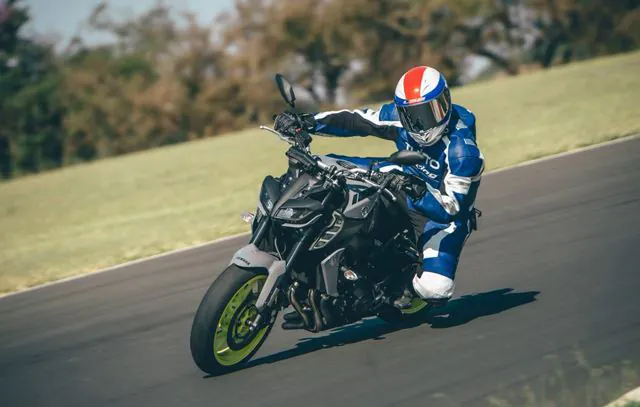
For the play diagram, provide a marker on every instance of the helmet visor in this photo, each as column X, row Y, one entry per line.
column 425, row 116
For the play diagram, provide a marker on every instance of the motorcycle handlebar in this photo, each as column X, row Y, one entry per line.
column 301, row 154
column 360, row 177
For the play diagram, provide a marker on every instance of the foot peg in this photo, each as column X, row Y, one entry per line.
column 404, row 301
column 292, row 320
column 296, row 324
column 292, row 316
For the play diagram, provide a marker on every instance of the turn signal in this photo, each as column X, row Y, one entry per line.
column 248, row 217
column 350, row 274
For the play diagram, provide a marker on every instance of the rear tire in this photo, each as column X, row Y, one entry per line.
column 220, row 339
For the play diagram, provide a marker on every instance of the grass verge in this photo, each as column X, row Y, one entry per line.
column 80, row 219
column 576, row 384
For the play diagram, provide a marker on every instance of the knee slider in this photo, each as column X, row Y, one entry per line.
column 433, row 286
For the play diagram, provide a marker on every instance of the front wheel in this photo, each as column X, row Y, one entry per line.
column 220, row 336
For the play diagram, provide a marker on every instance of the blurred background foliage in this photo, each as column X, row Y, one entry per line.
column 166, row 79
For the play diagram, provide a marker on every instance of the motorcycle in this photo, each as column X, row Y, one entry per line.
column 329, row 238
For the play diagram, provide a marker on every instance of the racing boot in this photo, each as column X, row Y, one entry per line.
column 406, row 299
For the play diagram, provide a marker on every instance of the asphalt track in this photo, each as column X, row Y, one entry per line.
column 554, row 269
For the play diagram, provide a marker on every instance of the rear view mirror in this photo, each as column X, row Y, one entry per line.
column 286, row 90
column 407, row 157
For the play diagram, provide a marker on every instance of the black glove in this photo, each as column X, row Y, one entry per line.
column 292, row 124
column 308, row 122
column 415, row 190
column 413, row 186
column 286, row 123
column 396, row 181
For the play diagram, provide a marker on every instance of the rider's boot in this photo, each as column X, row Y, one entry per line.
column 406, row 299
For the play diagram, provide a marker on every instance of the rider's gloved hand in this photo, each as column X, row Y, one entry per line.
column 308, row 122
column 400, row 181
column 289, row 123
column 286, row 123
column 415, row 190
column 414, row 187
column 397, row 181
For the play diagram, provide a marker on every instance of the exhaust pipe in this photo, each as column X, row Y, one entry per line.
column 327, row 311
column 296, row 305
column 317, row 315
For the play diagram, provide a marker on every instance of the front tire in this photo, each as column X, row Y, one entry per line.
column 220, row 337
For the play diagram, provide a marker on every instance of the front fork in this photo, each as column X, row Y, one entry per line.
column 267, row 303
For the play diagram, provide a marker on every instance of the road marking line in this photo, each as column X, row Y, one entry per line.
column 124, row 265
column 227, row 238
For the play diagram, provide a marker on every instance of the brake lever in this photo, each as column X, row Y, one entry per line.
column 390, row 194
column 387, row 191
column 280, row 135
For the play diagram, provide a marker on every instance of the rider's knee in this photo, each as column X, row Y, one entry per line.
column 433, row 286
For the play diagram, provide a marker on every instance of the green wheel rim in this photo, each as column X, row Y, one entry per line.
column 417, row 305
column 232, row 339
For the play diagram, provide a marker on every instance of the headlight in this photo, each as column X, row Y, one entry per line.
column 292, row 214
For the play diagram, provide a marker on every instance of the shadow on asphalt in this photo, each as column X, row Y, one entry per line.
column 457, row 312
column 469, row 307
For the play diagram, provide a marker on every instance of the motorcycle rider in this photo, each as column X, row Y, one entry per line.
column 421, row 118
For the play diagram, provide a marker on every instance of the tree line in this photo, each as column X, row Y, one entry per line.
column 166, row 78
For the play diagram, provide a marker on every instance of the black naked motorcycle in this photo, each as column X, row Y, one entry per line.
column 330, row 238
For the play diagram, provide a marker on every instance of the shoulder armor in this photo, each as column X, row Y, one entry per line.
column 464, row 119
column 464, row 156
column 388, row 112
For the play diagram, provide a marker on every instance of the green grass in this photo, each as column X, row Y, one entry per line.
column 82, row 218
column 588, row 387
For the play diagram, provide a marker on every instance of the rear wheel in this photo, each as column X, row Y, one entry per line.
column 221, row 339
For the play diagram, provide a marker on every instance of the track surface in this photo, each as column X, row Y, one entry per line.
column 554, row 268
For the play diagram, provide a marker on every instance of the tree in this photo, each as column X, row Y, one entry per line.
column 586, row 28
column 164, row 78
column 124, row 96
column 30, row 107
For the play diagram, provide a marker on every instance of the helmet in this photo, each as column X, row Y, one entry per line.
column 423, row 101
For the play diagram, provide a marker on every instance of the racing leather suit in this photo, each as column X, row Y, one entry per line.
column 452, row 173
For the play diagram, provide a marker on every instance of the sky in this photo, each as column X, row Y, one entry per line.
column 63, row 17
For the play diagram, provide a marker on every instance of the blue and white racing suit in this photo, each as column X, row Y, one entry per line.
column 452, row 173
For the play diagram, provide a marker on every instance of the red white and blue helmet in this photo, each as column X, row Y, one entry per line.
column 423, row 101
